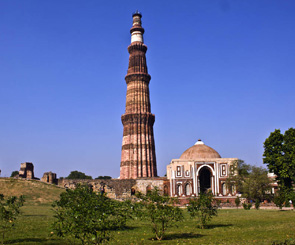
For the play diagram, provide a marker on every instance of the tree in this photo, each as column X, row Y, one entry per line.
column 237, row 201
column 9, row 210
column 257, row 185
column 279, row 155
column 251, row 181
column 13, row 174
column 90, row 217
column 236, row 178
column 159, row 210
column 104, row 177
column 78, row 175
column 202, row 208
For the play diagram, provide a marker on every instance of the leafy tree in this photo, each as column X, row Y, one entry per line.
column 257, row 204
column 78, row 175
column 202, row 208
column 9, row 210
column 14, row 173
column 82, row 214
column 279, row 155
column 251, row 181
column 159, row 210
column 236, row 179
column 257, row 185
column 104, row 177
column 237, row 202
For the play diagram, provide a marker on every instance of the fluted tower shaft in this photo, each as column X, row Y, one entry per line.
column 138, row 158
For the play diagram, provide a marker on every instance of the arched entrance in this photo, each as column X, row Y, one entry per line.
column 205, row 179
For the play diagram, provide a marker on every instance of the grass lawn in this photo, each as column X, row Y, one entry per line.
column 229, row 227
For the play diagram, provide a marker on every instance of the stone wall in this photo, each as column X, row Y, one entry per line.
column 118, row 188
column 49, row 177
column 26, row 170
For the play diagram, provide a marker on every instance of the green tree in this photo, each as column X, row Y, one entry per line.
column 104, row 177
column 257, row 204
column 159, row 210
column 90, row 217
column 251, row 181
column 78, row 175
column 257, row 185
column 9, row 210
column 237, row 201
column 202, row 208
column 236, row 178
column 279, row 155
column 14, row 173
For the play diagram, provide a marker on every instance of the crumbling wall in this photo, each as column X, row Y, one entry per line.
column 117, row 188
column 26, row 170
column 49, row 177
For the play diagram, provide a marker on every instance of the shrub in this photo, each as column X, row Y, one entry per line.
column 159, row 210
column 218, row 202
column 14, row 173
column 9, row 210
column 257, row 204
column 202, row 208
column 279, row 200
column 237, row 202
column 104, row 177
column 78, row 175
column 82, row 214
column 247, row 206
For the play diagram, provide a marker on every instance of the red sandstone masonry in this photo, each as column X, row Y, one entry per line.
column 138, row 158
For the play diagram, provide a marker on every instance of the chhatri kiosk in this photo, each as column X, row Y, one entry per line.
column 200, row 168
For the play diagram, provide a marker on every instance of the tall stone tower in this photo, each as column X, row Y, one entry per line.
column 138, row 157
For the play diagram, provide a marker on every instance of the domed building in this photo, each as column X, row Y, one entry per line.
column 200, row 168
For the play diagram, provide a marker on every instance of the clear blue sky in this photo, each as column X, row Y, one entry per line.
column 222, row 71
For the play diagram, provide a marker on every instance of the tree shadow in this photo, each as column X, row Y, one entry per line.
column 35, row 215
column 38, row 240
column 127, row 227
column 217, row 225
column 187, row 235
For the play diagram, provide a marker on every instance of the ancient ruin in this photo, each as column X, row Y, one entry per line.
column 49, row 177
column 26, row 171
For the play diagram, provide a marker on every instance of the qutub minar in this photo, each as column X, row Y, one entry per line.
column 138, row 157
column 198, row 169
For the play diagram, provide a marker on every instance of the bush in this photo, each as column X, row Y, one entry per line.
column 9, row 210
column 247, row 206
column 78, row 175
column 82, row 214
column 159, row 210
column 218, row 203
column 257, row 204
column 237, row 202
column 279, row 200
column 104, row 177
column 14, row 173
column 202, row 208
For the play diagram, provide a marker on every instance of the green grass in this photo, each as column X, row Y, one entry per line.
column 35, row 192
column 229, row 227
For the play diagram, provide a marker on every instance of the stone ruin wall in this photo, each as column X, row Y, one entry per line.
column 26, row 171
column 49, row 177
column 117, row 188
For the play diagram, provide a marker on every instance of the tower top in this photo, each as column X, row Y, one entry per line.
column 136, row 29
column 137, row 13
